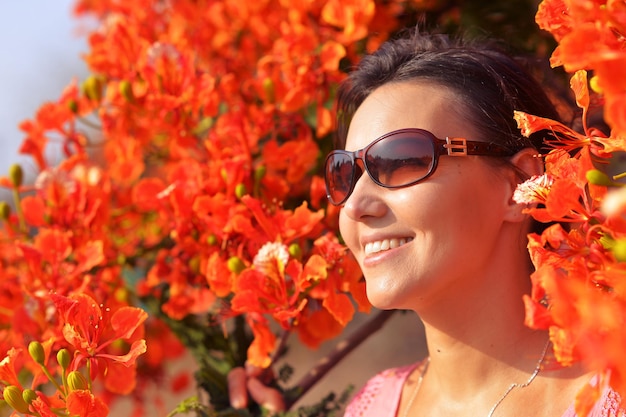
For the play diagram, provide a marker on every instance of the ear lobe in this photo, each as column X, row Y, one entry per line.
column 526, row 163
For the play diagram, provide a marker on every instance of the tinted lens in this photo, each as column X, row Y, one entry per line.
column 400, row 159
column 339, row 172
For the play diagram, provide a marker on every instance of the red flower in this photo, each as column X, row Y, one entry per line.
column 82, row 403
column 90, row 331
column 8, row 374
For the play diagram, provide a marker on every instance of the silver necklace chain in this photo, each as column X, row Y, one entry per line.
column 506, row 393
column 416, row 389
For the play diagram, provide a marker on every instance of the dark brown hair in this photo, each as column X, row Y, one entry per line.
column 489, row 82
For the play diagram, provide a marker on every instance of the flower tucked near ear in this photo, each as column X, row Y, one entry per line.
column 534, row 190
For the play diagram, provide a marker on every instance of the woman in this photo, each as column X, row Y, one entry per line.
column 432, row 158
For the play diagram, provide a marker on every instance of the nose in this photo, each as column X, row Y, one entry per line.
column 366, row 199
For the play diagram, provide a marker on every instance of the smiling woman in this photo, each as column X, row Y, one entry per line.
column 428, row 163
column 463, row 266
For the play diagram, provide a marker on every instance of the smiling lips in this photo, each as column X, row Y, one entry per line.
column 386, row 244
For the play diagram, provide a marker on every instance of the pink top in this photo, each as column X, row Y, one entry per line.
column 380, row 397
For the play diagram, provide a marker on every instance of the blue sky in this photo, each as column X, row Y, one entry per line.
column 41, row 47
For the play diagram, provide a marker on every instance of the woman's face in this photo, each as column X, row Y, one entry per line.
column 440, row 233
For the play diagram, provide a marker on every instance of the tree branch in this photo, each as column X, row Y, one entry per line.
column 339, row 352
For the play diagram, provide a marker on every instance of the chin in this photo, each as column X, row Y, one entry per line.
column 383, row 300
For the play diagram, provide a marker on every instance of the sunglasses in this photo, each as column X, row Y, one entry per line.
column 398, row 159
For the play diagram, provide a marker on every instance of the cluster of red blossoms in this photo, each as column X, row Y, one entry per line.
column 191, row 178
column 579, row 286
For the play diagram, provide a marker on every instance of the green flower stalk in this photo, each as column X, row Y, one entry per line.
column 36, row 351
column 64, row 359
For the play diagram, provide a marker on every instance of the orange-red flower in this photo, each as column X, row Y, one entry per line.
column 90, row 329
column 83, row 403
column 591, row 37
column 8, row 373
column 578, row 286
column 353, row 16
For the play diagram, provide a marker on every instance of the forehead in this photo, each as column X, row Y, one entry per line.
column 408, row 105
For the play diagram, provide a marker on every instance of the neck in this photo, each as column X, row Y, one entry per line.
column 482, row 340
column 489, row 359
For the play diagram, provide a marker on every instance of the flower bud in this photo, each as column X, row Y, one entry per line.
column 268, row 88
column 92, row 87
column 259, row 173
column 36, row 352
column 29, row 395
column 121, row 294
column 607, row 242
column 202, row 126
column 295, row 251
column 13, row 396
column 73, row 106
column 76, row 381
column 619, row 250
column 594, row 83
column 64, row 358
column 126, row 90
column 240, row 190
column 597, row 177
column 194, row 264
column 16, row 175
column 5, row 210
column 235, row 264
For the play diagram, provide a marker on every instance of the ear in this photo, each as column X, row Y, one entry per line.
column 525, row 164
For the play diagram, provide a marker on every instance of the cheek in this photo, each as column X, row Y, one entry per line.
column 476, row 214
column 347, row 229
column 458, row 212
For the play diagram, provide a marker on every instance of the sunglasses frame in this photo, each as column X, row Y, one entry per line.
column 451, row 146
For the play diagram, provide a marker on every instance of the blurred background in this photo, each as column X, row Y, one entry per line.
column 40, row 49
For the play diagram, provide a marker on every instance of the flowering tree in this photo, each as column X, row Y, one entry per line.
column 578, row 287
column 189, row 213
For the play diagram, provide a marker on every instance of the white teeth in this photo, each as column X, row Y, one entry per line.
column 386, row 244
